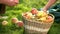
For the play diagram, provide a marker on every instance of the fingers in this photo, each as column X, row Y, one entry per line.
column 10, row 2
column 13, row 2
column 16, row 1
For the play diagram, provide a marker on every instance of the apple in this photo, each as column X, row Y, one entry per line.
column 28, row 15
column 42, row 18
column 4, row 22
column 49, row 19
column 14, row 20
column 20, row 23
column 33, row 17
column 41, row 14
column 24, row 14
column 34, row 11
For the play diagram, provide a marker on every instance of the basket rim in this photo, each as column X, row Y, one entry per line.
column 39, row 21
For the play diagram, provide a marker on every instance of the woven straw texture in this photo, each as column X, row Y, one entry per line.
column 36, row 27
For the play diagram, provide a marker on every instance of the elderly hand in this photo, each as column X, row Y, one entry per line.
column 9, row 2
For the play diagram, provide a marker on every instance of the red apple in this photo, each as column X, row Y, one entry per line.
column 24, row 14
column 14, row 20
column 28, row 15
column 34, row 11
column 49, row 19
column 4, row 22
column 20, row 23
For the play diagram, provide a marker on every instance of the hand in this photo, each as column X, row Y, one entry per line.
column 44, row 10
column 9, row 2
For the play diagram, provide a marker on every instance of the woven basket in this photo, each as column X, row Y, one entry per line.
column 36, row 27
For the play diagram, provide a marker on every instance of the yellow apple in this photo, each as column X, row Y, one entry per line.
column 28, row 15
column 49, row 19
column 4, row 22
column 14, row 20
column 43, row 18
column 41, row 14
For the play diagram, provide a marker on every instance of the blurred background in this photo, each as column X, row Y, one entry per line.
column 24, row 6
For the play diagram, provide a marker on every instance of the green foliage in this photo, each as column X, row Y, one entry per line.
column 16, row 11
column 35, row 3
column 26, row 5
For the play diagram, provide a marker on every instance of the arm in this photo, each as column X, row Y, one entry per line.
column 9, row 2
column 0, row 1
column 47, row 6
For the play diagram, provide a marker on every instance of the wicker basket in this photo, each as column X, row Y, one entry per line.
column 36, row 27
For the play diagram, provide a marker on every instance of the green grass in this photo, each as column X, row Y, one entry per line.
column 10, row 28
column 55, row 29
column 16, row 11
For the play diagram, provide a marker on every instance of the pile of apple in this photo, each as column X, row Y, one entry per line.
column 13, row 21
column 38, row 15
column 17, row 22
